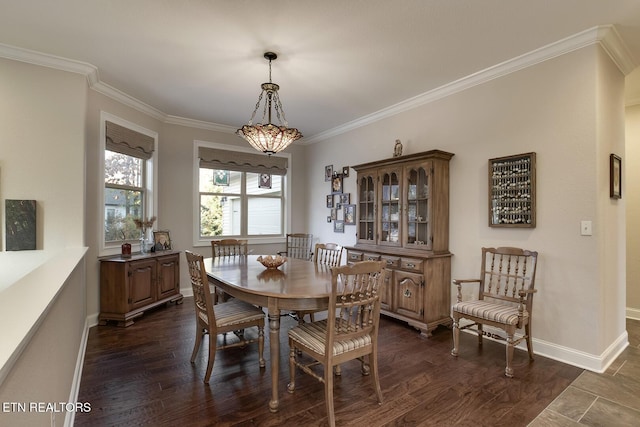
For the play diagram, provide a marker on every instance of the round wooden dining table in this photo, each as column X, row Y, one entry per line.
column 296, row 285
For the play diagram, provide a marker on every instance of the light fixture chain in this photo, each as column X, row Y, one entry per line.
column 256, row 109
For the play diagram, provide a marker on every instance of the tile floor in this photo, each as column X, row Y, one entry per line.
column 609, row 399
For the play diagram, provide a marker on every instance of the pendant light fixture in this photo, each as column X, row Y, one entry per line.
column 268, row 137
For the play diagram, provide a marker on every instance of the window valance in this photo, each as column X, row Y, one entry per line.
column 126, row 141
column 214, row 158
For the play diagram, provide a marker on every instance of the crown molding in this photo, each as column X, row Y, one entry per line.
column 51, row 61
column 605, row 35
column 199, row 124
column 128, row 100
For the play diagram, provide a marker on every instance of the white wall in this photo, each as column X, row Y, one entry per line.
column 42, row 114
column 549, row 108
column 631, row 192
column 42, row 125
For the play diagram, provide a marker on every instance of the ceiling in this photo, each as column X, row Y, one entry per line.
column 339, row 61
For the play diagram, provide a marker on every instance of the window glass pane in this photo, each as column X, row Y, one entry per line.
column 264, row 184
column 121, row 169
column 121, row 207
column 264, row 216
column 219, row 215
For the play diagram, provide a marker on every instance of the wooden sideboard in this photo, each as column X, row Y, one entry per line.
column 130, row 286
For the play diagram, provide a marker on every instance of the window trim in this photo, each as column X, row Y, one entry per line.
column 151, row 177
column 197, row 241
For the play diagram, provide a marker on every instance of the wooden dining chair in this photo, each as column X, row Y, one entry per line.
column 230, row 316
column 227, row 248
column 351, row 334
column 325, row 254
column 504, row 299
column 298, row 246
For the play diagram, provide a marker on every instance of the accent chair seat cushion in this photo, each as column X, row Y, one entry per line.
column 499, row 313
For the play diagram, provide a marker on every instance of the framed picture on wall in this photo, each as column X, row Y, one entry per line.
column 615, row 177
column 336, row 184
column 328, row 173
column 349, row 214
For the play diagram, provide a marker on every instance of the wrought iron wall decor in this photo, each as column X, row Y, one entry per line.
column 512, row 191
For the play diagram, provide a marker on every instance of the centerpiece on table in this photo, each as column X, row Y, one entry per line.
column 272, row 262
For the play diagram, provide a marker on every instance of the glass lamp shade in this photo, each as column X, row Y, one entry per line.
column 269, row 138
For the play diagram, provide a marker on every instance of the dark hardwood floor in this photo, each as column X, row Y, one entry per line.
column 141, row 375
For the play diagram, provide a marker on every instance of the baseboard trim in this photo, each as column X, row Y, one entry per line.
column 69, row 419
column 570, row 356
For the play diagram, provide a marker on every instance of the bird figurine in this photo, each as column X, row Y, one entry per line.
column 397, row 149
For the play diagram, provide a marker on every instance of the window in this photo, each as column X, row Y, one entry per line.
column 240, row 194
column 128, row 179
column 124, row 195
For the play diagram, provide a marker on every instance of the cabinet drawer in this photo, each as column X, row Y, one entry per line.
column 391, row 261
column 371, row 257
column 353, row 256
column 411, row 264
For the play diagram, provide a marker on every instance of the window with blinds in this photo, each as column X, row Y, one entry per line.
column 240, row 194
column 126, row 184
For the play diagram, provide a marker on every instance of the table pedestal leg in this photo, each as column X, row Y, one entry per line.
column 274, row 349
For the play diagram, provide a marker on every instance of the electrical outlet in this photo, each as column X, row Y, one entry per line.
column 585, row 228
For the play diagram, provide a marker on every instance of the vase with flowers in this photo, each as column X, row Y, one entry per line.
column 143, row 225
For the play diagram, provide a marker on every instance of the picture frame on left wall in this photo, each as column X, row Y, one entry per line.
column 615, row 176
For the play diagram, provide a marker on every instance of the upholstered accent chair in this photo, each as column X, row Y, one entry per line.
column 231, row 316
column 298, row 246
column 351, row 334
column 504, row 300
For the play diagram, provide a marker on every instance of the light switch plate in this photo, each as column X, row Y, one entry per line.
column 585, row 228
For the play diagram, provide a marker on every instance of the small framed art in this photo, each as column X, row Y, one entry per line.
column 328, row 173
column 615, row 177
column 221, row 177
column 330, row 201
column 336, row 184
column 338, row 226
column 349, row 214
column 162, row 240
column 265, row 180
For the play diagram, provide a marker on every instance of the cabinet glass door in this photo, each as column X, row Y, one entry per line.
column 418, row 230
column 390, row 209
column 366, row 209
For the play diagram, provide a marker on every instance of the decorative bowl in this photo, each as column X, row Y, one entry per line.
column 272, row 262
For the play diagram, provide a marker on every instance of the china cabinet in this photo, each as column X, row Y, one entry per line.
column 403, row 219
column 130, row 286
